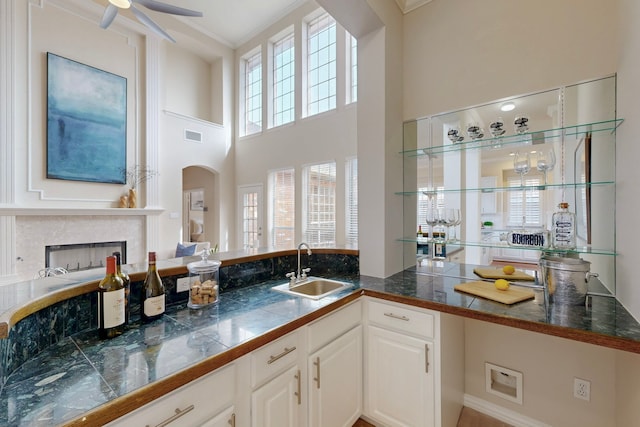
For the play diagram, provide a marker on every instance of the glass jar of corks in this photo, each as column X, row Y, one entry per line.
column 203, row 286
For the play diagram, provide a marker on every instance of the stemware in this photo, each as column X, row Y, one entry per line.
column 432, row 221
column 546, row 161
column 475, row 131
column 521, row 165
column 453, row 219
column 521, row 124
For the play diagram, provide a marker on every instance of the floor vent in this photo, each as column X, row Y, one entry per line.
column 192, row 135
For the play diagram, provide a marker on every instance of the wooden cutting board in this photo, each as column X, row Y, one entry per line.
column 489, row 291
column 497, row 273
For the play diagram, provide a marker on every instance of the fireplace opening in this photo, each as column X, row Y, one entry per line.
column 83, row 256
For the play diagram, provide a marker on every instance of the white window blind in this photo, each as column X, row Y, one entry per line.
column 319, row 206
column 321, row 64
column 282, row 208
column 284, row 80
column 524, row 205
column 424, row 203
column 351, row 205
column 253, row 93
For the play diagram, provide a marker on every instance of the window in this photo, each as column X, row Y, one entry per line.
column 321, row 64
column 319, row 206
column 425, row 202
column 284, row 80
column 282, row 212
column 524, row 207
column 351, row 205
column 352, row 72
column 253, row 94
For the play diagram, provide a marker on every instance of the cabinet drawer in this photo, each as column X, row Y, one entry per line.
column 402, row 319
column 333, row 325
column 273, row 358
column 197, row 401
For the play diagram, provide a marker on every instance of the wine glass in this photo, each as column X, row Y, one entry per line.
column 521, row 165
column 432, row 221
column 453, row 219
column 521, row 124
column 546, row 162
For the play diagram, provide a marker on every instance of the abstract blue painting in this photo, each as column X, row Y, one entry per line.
column 86, row 122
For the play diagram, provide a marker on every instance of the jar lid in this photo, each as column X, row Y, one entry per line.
column 204, row 265
column 563, row 205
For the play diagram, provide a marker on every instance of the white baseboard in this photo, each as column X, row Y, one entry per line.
column 500, row 413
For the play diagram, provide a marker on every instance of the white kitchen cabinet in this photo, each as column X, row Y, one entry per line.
column 276, row 383
column 226, row 418
column 334, row 368
column 414, row 366
column 335, row 382
column 193, row 404
column 277, row 403
column 489, row 197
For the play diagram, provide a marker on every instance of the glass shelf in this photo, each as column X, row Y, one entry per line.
column 526, row 138
column 500, row 245
column 504, row 189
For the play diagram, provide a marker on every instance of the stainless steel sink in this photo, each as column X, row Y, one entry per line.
column 314, row 288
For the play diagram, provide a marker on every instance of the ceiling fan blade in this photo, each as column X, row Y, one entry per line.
column 167, row 8
column 109, row 15
column 152, row 25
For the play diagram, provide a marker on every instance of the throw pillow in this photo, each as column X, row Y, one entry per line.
column 185, row 250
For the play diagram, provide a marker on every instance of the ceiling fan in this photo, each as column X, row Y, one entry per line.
column 115, row 5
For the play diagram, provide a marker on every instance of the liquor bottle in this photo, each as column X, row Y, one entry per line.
column 126, row 282
column 110, row 303
column 152, row 300
column 527, row 238
column 419, row 232
column 439, row 243
column 563, row 231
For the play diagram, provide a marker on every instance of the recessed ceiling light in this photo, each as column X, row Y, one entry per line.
column 123, row 4
column 507, row 106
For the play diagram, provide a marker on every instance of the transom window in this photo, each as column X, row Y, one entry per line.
column 321, row 64
column 253, row 93
column 284, row 80
column 352, row 73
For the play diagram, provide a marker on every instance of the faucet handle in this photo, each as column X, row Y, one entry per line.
column 292, row 277
column 304, row 273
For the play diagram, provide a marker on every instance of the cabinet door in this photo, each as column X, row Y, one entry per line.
column 401, row 390
column 335, row 382
column 226, row 418
column 277, row 403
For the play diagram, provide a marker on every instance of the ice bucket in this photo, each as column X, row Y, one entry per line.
column 566, row 279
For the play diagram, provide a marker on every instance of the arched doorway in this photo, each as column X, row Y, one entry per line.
column 200, row 212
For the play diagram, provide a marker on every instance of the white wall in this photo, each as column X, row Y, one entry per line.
column 548, row 365
column 194, row 79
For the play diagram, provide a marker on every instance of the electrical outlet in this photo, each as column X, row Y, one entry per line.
column 582, row 389
column 182, row 284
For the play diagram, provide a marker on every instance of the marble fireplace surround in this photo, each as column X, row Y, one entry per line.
column 34, row 233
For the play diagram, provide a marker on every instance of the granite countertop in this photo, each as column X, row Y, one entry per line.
column 82, row 379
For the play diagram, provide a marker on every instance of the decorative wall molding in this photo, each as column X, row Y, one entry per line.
column 407, row 6
column 24, row 211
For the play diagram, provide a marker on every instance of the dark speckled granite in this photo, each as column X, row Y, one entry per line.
column 80, row 372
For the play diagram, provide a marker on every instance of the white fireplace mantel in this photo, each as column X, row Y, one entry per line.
column 24, row 211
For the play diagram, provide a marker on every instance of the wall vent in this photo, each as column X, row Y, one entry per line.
column 192, row 135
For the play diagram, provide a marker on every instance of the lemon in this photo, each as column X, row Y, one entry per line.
column 502, row 284
column 508, row 269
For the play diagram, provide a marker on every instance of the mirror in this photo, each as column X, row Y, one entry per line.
column 472, row 159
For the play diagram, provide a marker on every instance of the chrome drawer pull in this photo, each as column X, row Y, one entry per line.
column 281, row 355
column 178, row 414
column 426, row 358
column 299, row 392
column 317, row 378
column 395, row 316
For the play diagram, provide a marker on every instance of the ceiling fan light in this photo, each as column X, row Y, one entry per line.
column 122, row 4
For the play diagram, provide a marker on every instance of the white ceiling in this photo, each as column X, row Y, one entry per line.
column 234, row 22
